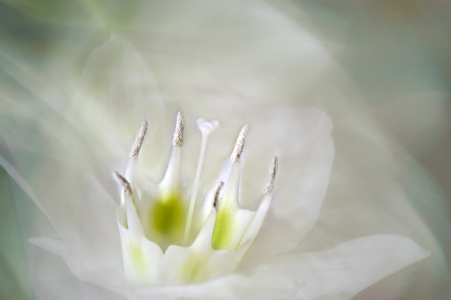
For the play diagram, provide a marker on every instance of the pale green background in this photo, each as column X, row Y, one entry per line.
column 390, row 48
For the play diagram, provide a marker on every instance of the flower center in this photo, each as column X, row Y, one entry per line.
column 170, row 237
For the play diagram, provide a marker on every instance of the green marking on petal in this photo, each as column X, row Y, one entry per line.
column 138, row 258
column 167, row 219
column 224, row 229
column 168, row 216
column 194, row 270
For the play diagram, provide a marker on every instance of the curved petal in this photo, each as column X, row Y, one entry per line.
column 338, row 273
column 302, row 140
column 51, row 245
column 256, row 223
column 74, row 193
column 116, row 80
column 343, row 271
column 53, row 280
column 141, row 257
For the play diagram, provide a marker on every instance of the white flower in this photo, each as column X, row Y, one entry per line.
column 77, row 193
column 340, row 272
column 92, row 249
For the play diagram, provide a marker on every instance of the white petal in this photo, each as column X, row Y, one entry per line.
column 51, row 245
column 218, row 289
column 256, row 223
column 343, row 271
column 141, row 258
column 53, row 280
column 115, row 81
column 302, row 140
column 84, row 242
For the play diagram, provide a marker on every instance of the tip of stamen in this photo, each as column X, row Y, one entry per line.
column 138, row 142
column 123, row 182
column 272, row 176
column 218, row 190
column 239, row 144
column 177, row 141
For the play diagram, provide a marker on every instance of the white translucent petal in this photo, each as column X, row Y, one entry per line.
column 25, row 187
column 218, row 289
column 343, row 271
column 121, row 215
column 293, row 56
column 115, row 81
column 84, row 241
column 102, row 274
column 71, row 190
column 53, row 280
column 257, row 222
column 302, row 140
column 51, row 245
column 141, row 258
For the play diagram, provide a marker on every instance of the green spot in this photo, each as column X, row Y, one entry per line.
column 194, row 270
column 223, row 231
column 138, row 258
column 168, row 218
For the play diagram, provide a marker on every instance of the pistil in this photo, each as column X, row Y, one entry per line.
column 206, row 128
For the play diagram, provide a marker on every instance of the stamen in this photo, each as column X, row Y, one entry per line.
column 206, row 128
column 124, row 183
column 177, row 141
column 257, row 222
column 272, row 176
column 171, row 179
column 218, row 190
column 239, row 144
column 132, row 219
column 138, row 142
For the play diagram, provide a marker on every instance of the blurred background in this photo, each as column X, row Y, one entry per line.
column 392, row 115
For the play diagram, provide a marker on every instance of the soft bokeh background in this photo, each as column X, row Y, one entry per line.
column 392, row 133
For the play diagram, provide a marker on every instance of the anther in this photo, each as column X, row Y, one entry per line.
column 123, row 182
column 235, row 157
column 138, row 142
column 177, row 141
column 272, row 176
column 218, row 190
